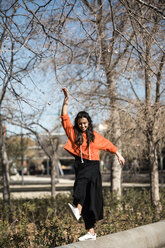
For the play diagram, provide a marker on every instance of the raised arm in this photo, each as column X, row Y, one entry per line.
column 65, row 103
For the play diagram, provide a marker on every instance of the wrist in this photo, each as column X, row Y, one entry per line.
column 65, row 102
column 117, row 154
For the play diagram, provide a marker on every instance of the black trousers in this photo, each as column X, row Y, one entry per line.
column 88, row 190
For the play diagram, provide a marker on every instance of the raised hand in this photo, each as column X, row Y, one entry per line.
column 66, row 93
column 65, row 103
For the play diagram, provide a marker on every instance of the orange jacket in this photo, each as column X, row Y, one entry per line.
column 93, row 151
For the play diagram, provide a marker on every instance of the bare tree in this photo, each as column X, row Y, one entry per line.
column 46, row 139
column 49, row 144
column 147, row 22
column 6, row 74
column 26, row 39
column 4, row 163
column 120, row 41
column 96, row 61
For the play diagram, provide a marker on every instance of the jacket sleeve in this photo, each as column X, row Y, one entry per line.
column 67, row 125
column 105, row 145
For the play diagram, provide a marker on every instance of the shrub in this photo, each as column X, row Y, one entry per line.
column 47, row 222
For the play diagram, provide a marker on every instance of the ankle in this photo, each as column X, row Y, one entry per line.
column 79, row 208
column 92, row 232
column 79, row 211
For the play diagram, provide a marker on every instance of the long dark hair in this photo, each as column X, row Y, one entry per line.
column 79, row 133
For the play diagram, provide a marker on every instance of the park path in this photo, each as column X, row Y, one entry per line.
column 39, row 186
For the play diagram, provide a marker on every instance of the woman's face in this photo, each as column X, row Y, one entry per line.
column 83, row 124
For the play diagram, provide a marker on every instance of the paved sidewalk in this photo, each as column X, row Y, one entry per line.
column 40, row 186
column 17, row 179
column 37, row 186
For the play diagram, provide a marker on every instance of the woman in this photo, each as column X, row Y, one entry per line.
column 85, row 144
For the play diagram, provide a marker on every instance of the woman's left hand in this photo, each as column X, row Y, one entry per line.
column 120, row 158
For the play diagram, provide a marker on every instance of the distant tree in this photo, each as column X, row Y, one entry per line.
column 49, row 144
column 14, row 147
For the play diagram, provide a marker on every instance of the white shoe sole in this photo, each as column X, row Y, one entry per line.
column 86, row 240
column 93, row 239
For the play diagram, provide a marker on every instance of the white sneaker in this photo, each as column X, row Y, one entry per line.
column 88, row 236
column 75, row 212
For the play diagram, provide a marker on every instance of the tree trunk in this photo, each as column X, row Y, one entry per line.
column 5, row 177
column 116, row 131
column 150, row 118
column 116, row 169
column 5, row 172
column 153, row 159
column 53, row 175
column 150, row 113
column 154, row 175
column 116, row 173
